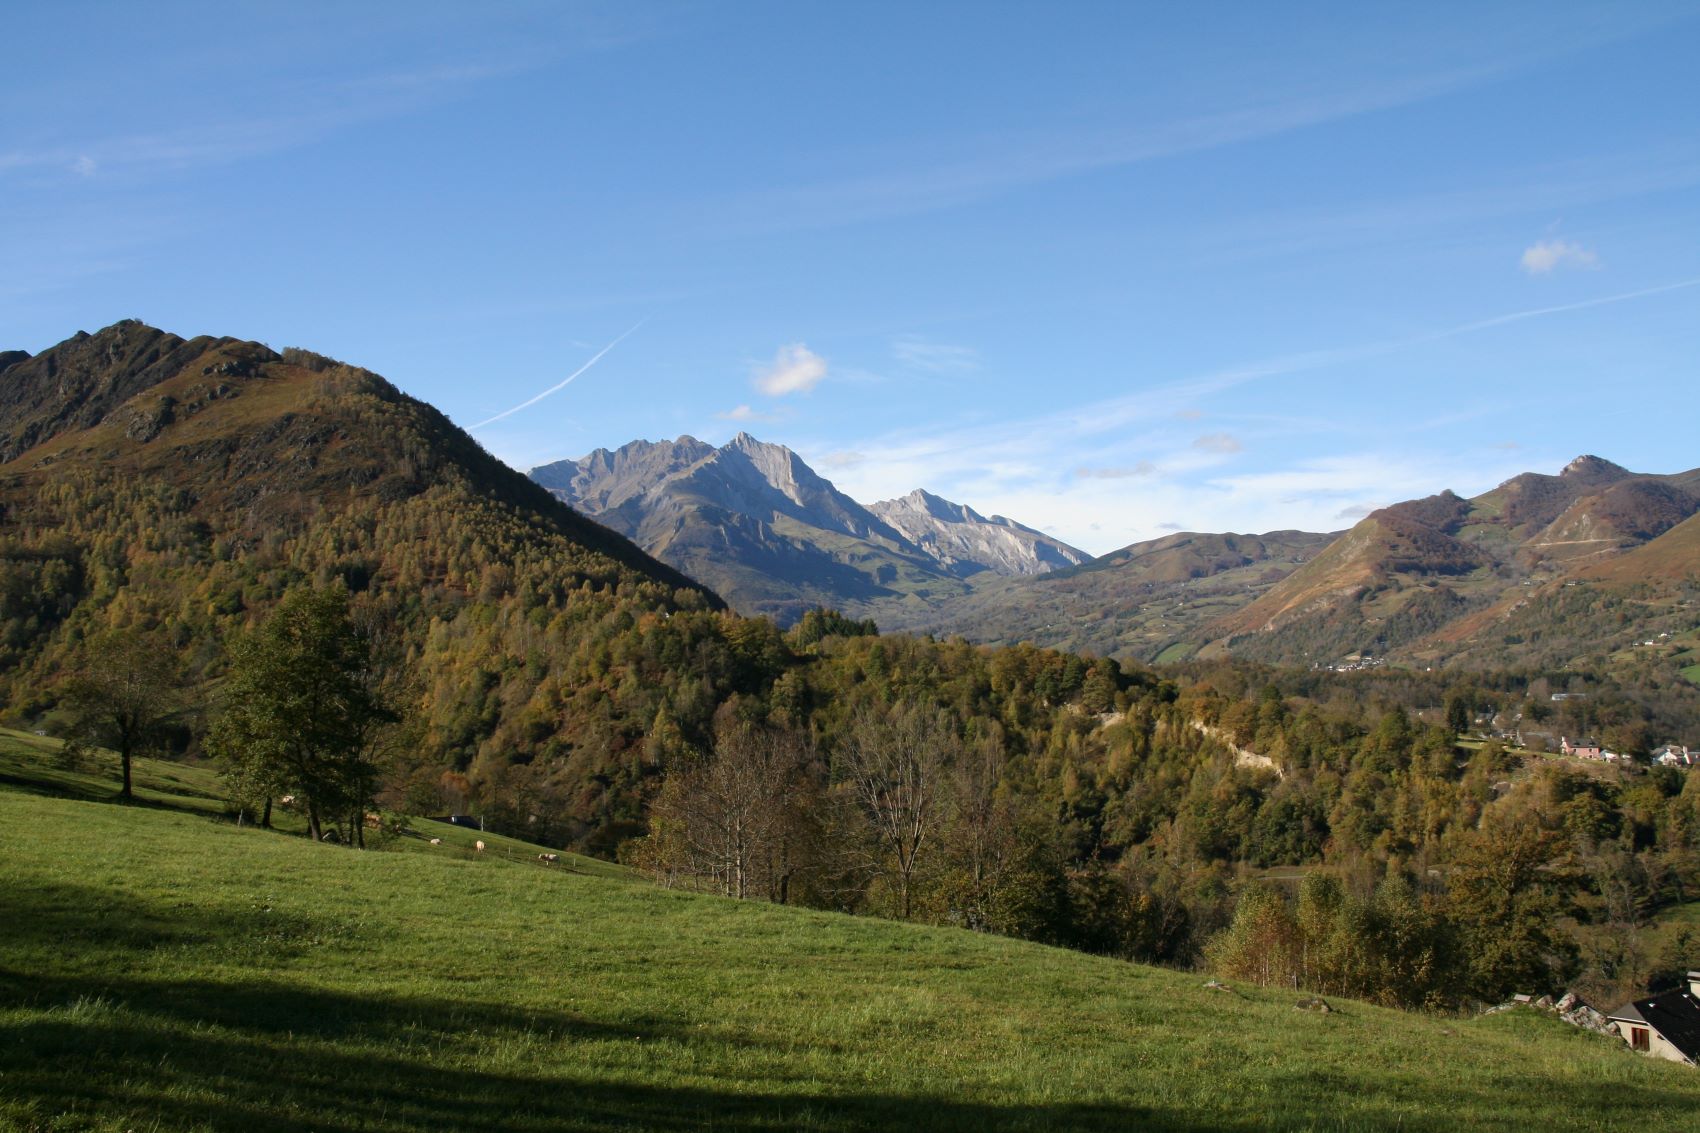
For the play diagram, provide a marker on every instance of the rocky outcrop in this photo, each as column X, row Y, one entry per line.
column 79, row 382
column 1568, row 1007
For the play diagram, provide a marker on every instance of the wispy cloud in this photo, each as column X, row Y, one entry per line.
column 1011, row 467
column 934, row 357
column 1221, row 443
column 1004, row 161
column 264, row 117
column 1544, row 257
column 795, row 369
column 560, row 385
column 1124, row 472
column 1539, row 191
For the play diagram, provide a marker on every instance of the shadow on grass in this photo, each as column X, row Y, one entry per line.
column 96, row 1040
column 256, row 1056
column 116, row 1070
column 82, row 789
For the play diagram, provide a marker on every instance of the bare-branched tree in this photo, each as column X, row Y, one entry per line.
column 739, row 818
column 897, row 762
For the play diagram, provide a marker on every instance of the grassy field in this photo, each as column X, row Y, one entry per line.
column 161, row 969
column 29, row 764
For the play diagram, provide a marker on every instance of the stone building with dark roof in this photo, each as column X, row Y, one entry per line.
column 1666, row 1025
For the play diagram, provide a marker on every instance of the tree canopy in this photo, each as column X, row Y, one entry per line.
column 302, row 710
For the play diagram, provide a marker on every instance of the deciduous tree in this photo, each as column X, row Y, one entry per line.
column 302, row 709
column 124, row 693
column 896, row 761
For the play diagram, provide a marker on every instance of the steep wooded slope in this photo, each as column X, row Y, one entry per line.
column 184, row 485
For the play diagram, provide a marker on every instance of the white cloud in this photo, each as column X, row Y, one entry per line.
column 1224, row 443
column 795, row 369
column 84, row 166
column 1544, row 257
column 746, row 413
column 935, row 357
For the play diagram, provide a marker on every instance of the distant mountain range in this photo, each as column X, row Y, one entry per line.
column 1146, row 601
column 265, row 451
column 1487, row 580
column 1490, row 578
column 761, row 528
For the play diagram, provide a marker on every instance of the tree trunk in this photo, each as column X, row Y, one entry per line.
column 124, row 758
column 266, row 818
column 313, row 831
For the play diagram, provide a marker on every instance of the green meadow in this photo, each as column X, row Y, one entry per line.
column 163, row 969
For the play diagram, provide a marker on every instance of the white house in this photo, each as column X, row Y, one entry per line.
column 1675, row 755
column 1666, row 1025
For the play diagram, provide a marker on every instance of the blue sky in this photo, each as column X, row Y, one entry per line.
column 1109, row 269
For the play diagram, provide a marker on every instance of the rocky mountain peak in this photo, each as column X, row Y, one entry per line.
column 1594, row 470
column 763, row 466
column 924, row 502
column 75, row 384
column 968, row 543
column 605, row 479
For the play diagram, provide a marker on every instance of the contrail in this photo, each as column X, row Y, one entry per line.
column 564, row 383
column 1519, row 316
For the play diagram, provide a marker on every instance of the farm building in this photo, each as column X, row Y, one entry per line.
column 1666, row 1025
column 1583, row 749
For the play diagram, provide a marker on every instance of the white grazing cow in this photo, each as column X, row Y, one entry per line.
column 479, row 845
column 436, row 841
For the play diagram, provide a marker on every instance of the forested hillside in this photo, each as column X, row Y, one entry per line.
column 560, row 684
column 178, row 488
